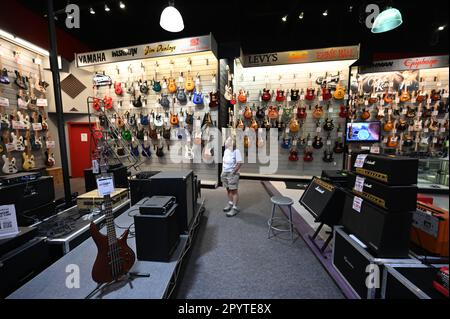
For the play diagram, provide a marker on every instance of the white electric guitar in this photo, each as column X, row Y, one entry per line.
column 229, row 87
column 9, row 166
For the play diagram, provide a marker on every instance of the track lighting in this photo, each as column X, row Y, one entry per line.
column 171, row 19
column 122, row 5
column 301, row 15
column 284, row 18
column 325, row 13
column 107, row 9
column 91, row 10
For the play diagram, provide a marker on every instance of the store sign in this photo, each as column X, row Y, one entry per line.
column 154, row 50
column 305, row 56
column 407, row 64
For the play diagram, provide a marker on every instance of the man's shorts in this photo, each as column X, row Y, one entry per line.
column 230, row 180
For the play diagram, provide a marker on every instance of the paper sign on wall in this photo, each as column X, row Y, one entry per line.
column 84, row 137
column 42, row 102
column 8, row 221
column 4, row 102
column 357, row 203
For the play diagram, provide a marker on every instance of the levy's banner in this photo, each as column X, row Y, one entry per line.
column 303, row 56
column 154, row 50
column 429, row 62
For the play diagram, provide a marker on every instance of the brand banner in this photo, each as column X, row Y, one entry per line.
column 304, row 56
column 429, row 62
column 181, row 46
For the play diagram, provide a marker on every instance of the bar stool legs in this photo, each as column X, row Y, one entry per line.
column 271, row 220
column 280, row 202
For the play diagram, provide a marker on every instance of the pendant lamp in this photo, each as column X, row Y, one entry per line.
column 171, row 19
column 387, row 20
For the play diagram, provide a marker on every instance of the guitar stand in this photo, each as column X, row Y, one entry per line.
column 327, row 241
column 129, row 277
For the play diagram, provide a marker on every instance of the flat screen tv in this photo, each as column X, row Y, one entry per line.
column 363, row 132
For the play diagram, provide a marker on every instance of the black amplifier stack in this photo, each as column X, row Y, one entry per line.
column 380, row 201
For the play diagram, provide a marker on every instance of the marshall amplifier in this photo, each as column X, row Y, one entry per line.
column 119, row 172
column 390, row 170
column 385, row 234
column 324, row 201
column 157, row 233
column 140, row 186
column 27, row 196
column 335, row 177
column 392, row 198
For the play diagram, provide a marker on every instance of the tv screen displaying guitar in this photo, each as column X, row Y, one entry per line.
column 363, row 132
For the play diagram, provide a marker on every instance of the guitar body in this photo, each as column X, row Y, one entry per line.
column 197, row 99
column 138, row 102
column 213, row 99
column 248, row 114
column 326, row 94
column 156, row 87
column 164, row 101
column 295, row 95
column 102, row 270
column 260, row 114
column 118, row 88
column 242, row 98
column 328, row 156
column 28, row 162
column 343, row 113
column 143, row 87
column 329, row 125
column 49, row 159
column 172, row 86
column 402, row 125
column 339, row 94
column 96, row 104
column 293, row 154
column 9, row 166
column 286, row 144
column 405, row 96
column 308, row 156
column 301, row 113
column 338, row 147
column 108, row 102
column 310, row 94
column 174, row 119
column 318, row 112
column 189, row 85
column 317, row 143
column 160, row 151
column 365, row 115
column 294, row 126
column 181, row 96
column 280, row 96
column 266, row 96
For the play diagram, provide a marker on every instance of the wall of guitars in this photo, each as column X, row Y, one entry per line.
column 26, row 142
column 161, row 110
column 306, row 102
column 411, row 106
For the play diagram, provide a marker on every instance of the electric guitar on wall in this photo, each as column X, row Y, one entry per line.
column 308, row 152
column 9, row 162
column 266, row 96
column 28, row 158
column 229, row 87
column 172, row 85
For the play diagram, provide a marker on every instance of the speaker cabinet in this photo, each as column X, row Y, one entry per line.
column 140, row 186
column 119, row 172
column 386, row 234
column 324, row 201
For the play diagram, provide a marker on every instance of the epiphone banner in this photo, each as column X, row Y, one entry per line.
column 181, row 46
column 429, row 62
column 304, row 56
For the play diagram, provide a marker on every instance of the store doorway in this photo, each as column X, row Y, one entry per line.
column 80, row 148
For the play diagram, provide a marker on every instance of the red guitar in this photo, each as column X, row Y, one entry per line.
column 114, row 258
column 266, row 96
column 308, row 153
column 310, row 94
column 97, row 104
column 301, row 112
column 118, row 88
column 326, row 93
column 108, row 102
column 280, row 96
column 343, row 113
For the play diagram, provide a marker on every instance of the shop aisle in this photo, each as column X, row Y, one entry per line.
column 232, row 257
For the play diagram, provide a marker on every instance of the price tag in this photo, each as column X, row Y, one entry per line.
column 442, row 130
column 287, row 130
column 404, row 111
column 435, row 140
column 410, row 128
column 359, row 184
column 95, row 167
column 425, row 130
column 240, row 112
column 132, row 139
column 281, row 111
column 391, row 84
column 413, row 100
column 375, row 149
column 50, row 144
column 22, row 104
column 37, row 126
column 439, row 84
column 159, row 136
column 138, row 120
column 309, row 143
column 389, row 111
column 105, row 186
column 424, row 140
column 266, row 112
column 385, row 140
column 346, row 97
column 289, row 98
column 435, row 113
column 328, row 142
column 113, row 120
column 357, row 203
column 8, row 221
column 397, row 100
column 42, row 102
column 254, row 113
column 4, row 102
column 373, row 95
column 359, row 163
column 381, row 101
column 188, row 139
column 340, row 134
column 10, row 147
column 428, row 101
column 17, row 125
column 319, row 129
column 419, row 114
column 302, row 97
column 366, row 103
column 394, row 139
column 320, row 98
column 445, row 95
column 145, row 138
column 330, row 110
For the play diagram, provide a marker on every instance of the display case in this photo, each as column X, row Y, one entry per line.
column 433, row 174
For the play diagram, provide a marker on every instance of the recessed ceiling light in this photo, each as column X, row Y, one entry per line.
column 442, row 27
column 284, row 18
column 121, row 5
column 107, row 9
column 91, row 11
column 301, row 15
column 350, row 9
column 325, row 13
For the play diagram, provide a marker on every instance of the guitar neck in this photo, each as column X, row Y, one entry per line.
column 110, row 226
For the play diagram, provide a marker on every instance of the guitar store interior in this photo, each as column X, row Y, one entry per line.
column 114, row 178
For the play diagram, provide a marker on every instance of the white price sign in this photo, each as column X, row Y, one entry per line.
column 357, row 203
column 320, row 98
column 319, row 129
column 50, row 144
column 375, row 150
column 404, row 111
column 4, row 102
column 346, row 97
column 105, row 186
column 328, row 142
column 10, row 147
column 359, row 184
column 17, row 125
column 309, row 143
column 340, row 134
column 330, row 110
column 302, row 97
column 360, row 159
column 42, row 102
column 95, row 167
column 435, row 113
column 8, row 221
column 37, row 126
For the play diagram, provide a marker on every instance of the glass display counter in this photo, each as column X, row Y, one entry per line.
column 433, row 174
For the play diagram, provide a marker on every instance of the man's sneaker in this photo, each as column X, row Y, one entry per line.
column 228, row 208
column 233, row 212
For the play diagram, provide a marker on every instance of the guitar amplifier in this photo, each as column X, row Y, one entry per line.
column 324, row 201
column 140, row 186
column 386, row 234
column 335, row 177
column 119, row 172
column 392, row 198
column 156, row 205
column 390, row 170
column 430, row 229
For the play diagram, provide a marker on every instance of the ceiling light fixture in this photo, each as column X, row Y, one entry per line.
column 442, row 27
column 301, row 15
column 107, row 9
column 171, row 19
column 350, row 9
column 325, row 13
column 122, row 5
column 284, row 18
column 387, row 20
column 91, row 10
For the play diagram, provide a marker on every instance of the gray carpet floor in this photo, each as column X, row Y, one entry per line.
column 232, row 257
